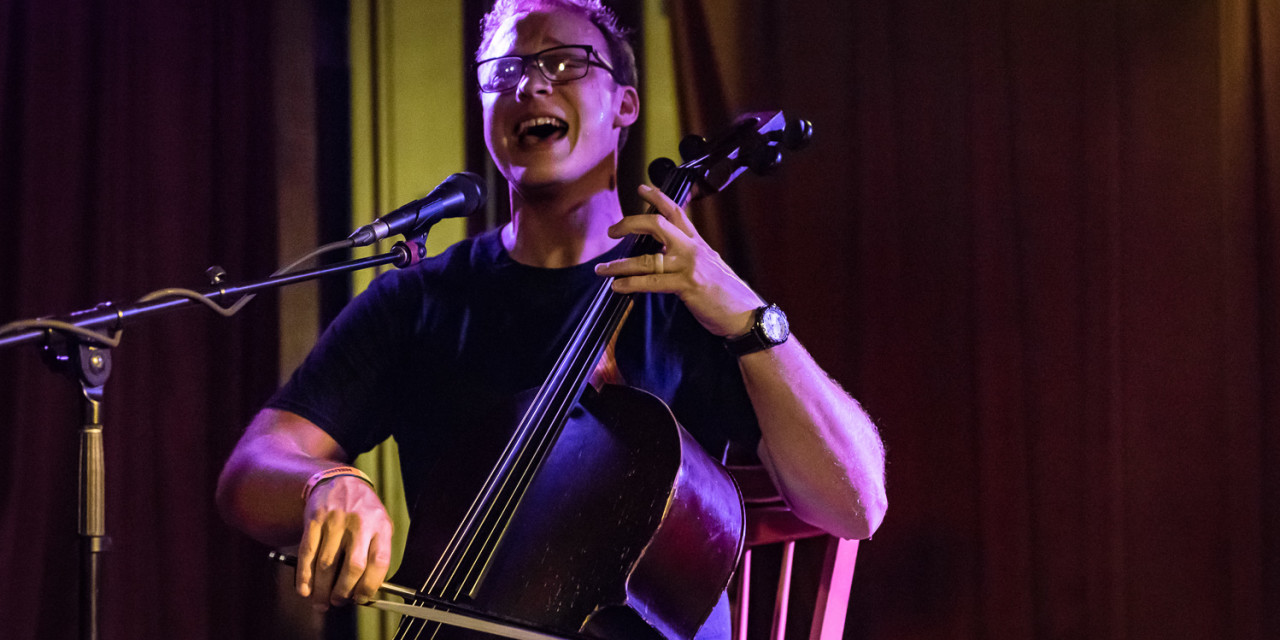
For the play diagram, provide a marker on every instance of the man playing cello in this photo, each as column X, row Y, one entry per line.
column 413, row 355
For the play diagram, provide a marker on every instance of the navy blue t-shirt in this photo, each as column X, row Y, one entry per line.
column 417, row 353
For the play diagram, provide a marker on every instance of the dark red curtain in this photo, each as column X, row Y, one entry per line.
column 1037, row 239
column 1040, row 241
column 136, row 149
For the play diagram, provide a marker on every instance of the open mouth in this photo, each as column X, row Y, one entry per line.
column 541, row 129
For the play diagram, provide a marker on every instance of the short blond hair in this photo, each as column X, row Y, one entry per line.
column 621, row 56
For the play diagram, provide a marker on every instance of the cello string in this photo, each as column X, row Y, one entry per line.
column 525, row 452
column 505, row 500
column 569, row 382
column 510, row 462
column 548, row 418
column 462, row 542
column 529, row 463
column 598, row 334
column 518, row 439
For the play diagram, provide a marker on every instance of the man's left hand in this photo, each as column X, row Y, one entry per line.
column 687, row 267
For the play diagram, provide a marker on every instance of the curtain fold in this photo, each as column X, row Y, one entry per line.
column 1039, row 242
column 136, row 149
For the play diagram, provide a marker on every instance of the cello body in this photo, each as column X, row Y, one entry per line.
column 628, row 531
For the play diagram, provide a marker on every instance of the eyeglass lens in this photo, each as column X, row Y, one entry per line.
column 556, row 65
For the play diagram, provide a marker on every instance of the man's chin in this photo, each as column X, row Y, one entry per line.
column 536, row 179
column 551, row 177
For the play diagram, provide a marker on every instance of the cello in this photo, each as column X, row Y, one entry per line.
column 599, row 516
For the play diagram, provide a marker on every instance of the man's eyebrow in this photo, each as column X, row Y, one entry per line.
column 554, row 42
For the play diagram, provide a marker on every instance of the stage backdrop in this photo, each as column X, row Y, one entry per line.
column 1037, row 239
column 136, row 149
column 1040, row 241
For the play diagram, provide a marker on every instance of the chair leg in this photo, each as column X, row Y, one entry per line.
column 784, row 591
column 741, row 609
column 832, row 604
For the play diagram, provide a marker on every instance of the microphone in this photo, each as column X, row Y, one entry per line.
column 459, row 195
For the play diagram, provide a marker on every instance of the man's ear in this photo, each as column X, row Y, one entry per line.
column 628, row 107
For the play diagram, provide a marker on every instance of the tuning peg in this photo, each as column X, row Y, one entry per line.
column 797, row 134
column 763, row 159
column 693, row 147
column 659, row 169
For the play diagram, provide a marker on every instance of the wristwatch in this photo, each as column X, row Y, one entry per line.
column 770, row 330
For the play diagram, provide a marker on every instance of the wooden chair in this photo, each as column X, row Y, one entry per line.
column 822, row 578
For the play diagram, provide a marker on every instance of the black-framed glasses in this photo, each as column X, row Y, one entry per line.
column 564, row 63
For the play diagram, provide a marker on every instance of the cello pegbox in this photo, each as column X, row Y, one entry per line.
column 797, row 134
column 659, row 169
column 692, row 147
column 763, row 159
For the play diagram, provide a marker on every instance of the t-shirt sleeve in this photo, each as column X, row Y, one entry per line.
column 349, row 383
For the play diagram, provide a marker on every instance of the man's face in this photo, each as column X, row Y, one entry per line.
column 588, row 113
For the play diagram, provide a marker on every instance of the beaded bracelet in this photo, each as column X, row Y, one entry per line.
column 329, row 474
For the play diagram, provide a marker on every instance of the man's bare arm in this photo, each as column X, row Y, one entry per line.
column 342, row 530
column 820, row 447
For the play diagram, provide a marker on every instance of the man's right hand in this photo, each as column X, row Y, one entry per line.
column 346, row 544
column 345, row 531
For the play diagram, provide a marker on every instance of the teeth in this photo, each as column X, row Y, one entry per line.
column 524, row 127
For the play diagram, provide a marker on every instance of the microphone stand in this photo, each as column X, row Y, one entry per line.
column 89, row 361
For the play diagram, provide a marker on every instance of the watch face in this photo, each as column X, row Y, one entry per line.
column 774, row 323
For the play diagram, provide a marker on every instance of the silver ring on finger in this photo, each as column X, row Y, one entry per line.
column 658, row 264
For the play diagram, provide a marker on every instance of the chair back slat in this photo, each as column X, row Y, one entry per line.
column 770, row 522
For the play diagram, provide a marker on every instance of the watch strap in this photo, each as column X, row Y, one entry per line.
column 757, row 339
column 751, row 342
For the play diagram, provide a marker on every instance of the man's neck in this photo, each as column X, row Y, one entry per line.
column 561, row 228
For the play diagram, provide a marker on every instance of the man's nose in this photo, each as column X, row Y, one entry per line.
column 532, row 81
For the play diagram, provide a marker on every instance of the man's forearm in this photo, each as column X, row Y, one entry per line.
column 821, row 447
column 260, row 488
